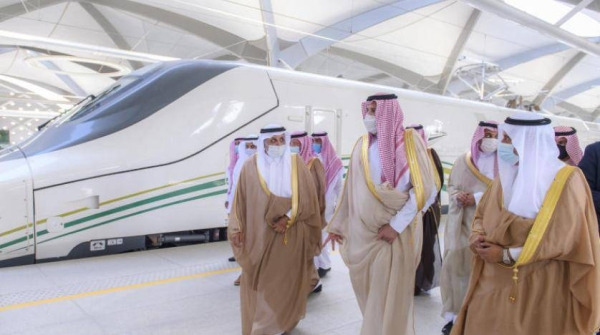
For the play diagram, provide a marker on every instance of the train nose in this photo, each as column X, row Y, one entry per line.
column 16, row 209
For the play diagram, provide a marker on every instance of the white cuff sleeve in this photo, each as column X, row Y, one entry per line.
column 289, row 214
column 405, row 216
column 515, row 253
column 477, row 197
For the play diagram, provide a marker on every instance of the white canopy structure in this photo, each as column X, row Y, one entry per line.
column 542, row 53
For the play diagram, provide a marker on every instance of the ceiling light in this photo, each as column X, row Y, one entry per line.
column 21, row 119
column 11, row 93
column 28, row 104
column 12, row 103
column 13, row 123
column 20, row 108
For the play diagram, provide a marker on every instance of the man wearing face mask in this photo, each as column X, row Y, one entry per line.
column 568, row 145
column 301, row 145
column 275, row 231
column 471, row 175
column 233, row 158
column 535, row 237
column 334, row 179
column 430, row 265
column 248, row 145
column 390, row 183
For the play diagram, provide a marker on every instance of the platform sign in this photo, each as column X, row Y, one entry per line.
column 4, row 137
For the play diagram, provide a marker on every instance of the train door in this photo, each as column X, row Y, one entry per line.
column 328, row 120
column 17, row 245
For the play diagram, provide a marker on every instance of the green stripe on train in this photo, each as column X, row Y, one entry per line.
column 212, row 184
column 139, row 213
column 19, row 240
column 196, row 188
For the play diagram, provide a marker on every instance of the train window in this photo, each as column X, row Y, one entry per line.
column 93, row 102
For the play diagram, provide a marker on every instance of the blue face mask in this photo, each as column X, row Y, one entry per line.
column 506, row 153
column 237, row 148
column 317, row 148
column 295, row 150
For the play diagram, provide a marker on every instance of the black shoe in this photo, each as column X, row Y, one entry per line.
column 232, row 259
column 323, row 272
column 318, row 288
column 447, row 328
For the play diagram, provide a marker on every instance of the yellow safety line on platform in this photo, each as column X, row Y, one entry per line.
column 115, row 289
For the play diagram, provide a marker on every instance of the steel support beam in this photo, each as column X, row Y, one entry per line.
column 311, row 45
column 413, row 79
column 547, row 90
column 457, row 50
column 506, row 11
column 580, row 6
column 110, row 30
column 266, row 8
column 217, row 36
column 569, row 92
column 532, row 54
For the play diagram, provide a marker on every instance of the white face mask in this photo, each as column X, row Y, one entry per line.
column 370, row 123
column 295, row 150
column 250, row 151
column 276, row 151
column 489, row 145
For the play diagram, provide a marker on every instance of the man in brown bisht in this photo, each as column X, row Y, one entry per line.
column 428, row 271
column 301, row 144
column 536, row 239
column 334, row 181
column 378, row 220
column 471, row 175
column 275, row 231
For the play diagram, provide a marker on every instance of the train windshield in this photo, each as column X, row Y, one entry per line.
column 92, row 102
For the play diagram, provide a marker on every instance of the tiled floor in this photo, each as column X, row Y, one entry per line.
column 185, row 290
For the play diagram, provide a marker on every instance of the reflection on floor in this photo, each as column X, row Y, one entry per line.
column 185, row 290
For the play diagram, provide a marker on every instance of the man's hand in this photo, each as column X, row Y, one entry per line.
column 333, row 238
column 477, row 243
column 387, row 233
column 237, row 239
column 490, row 252
column 466, row 199
column 280, row 226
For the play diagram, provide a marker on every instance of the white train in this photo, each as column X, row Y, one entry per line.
column 147, row 156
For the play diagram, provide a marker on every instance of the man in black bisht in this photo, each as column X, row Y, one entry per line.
column 427, row 276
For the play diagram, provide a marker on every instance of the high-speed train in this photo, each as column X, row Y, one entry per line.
column 147, row 157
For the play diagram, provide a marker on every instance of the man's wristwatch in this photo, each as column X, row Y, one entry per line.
column 506, row 259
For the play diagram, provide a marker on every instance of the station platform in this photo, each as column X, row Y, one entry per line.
column 183, row 290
